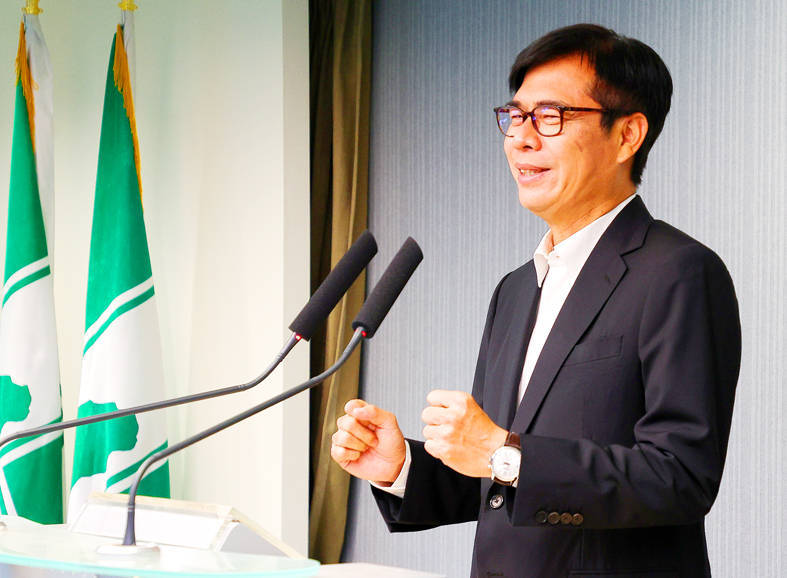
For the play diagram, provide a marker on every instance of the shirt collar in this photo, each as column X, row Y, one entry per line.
column 573, row 251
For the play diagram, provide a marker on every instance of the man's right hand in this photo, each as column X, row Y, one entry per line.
column 368, row 443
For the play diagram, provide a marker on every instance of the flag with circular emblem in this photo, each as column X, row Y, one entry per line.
column 121, row 360
column 31, row 479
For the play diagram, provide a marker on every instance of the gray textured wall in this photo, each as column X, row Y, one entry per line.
column 438, row 173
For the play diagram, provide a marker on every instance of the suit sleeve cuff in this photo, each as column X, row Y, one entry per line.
column 400, row 483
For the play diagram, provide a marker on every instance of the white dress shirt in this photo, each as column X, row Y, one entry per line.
column 557, row 268
column 563, row 262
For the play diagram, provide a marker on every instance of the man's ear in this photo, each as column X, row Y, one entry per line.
column 633, row 129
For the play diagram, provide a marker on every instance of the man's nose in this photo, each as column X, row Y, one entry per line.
column 525, row 135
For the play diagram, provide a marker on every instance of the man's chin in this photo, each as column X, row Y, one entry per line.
column 537, row 202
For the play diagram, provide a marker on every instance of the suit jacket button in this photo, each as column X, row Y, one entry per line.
column 577, row 519
column 541, row 517
column 496, row 501
column 553, row 518
column 565, row 518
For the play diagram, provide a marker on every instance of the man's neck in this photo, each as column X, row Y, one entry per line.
column 562, row 230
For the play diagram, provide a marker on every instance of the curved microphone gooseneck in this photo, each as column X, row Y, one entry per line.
column 365, row 324
column 313, row 313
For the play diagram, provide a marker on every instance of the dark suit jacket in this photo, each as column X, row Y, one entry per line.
column 624, row 422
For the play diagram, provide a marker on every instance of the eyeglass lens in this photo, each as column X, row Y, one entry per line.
column 547, row 120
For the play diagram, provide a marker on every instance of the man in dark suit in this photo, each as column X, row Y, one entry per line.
column 594, row 440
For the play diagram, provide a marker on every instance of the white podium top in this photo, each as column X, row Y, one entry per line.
column 25, row 543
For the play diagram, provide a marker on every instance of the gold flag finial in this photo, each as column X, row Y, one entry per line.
column 127, row 5
column 31, row 7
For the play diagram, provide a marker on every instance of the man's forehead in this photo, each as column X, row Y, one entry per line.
column 560, row 81
column 578, row 61
column 543, row 102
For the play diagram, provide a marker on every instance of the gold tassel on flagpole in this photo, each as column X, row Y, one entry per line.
column 126, row 5
column 31, row 7
column 123, row 83
column 24, row 77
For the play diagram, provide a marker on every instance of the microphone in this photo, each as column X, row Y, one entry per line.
column 388, row 287
column 328, row 294
column 335, row 285
column 365, row 324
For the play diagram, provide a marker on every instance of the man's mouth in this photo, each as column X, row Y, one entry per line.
column 530, row 172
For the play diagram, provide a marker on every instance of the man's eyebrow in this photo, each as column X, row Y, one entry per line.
column 544, row 102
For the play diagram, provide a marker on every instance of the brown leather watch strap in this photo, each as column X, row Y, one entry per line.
column 513, row 440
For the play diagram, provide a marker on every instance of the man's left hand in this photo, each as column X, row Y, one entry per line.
column 459, row 433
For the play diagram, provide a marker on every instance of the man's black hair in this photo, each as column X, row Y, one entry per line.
column 630, row 76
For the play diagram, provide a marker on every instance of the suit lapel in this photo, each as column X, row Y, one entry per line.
column 599, row 276
column 510, row 351
column 524, row 328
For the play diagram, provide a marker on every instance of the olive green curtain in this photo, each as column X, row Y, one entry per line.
column 340, row 86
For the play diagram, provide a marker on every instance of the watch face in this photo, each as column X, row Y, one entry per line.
column 505, row 463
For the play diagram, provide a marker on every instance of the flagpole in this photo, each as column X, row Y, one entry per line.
column 31, row 7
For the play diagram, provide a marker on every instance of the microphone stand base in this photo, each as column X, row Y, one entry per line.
column 123, row 550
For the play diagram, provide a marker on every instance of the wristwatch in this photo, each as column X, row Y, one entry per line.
column 505, row 461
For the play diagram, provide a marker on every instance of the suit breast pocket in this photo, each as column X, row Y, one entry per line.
column 595, row 349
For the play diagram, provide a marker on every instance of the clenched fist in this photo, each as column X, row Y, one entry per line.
column 368, row 443
column 459, row 433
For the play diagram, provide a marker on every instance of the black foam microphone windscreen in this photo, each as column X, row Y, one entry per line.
column 335, row 285
column 389, row 287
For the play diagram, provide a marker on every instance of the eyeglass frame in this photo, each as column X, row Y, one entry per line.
column 559, row 107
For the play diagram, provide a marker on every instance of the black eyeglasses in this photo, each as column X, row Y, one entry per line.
column 547, row 119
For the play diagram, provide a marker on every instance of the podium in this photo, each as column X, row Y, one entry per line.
column 191, row 539
column 179, row 523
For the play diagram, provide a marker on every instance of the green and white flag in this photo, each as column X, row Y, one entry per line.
column 31, row 469
column 121, row 363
